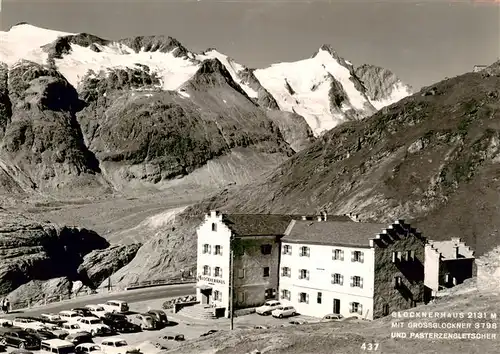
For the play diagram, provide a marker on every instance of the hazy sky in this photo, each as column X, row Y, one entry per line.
column 421, row 41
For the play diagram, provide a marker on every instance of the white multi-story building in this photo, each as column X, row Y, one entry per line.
column 323, row 265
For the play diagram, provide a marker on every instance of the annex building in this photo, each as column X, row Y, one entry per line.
column 320, row 265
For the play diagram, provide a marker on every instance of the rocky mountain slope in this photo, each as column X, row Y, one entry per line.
column 86, row 118
column 431, row 159
column 32, row 253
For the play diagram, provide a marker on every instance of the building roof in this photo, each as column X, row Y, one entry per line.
column 333, row 232
column 266, row 224
column 257, row 224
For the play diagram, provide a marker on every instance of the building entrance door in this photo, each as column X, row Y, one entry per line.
column 205, row 296
column 336, row 306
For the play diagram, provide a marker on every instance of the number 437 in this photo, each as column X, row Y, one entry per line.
column 370, row 346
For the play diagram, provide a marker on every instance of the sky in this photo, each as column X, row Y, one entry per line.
column 420, row 41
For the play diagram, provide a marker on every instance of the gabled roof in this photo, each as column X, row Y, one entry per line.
column 257, row 224
column 333, row 232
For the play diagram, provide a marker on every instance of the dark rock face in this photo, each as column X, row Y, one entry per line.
column 161, row 44
column 264, row 99
column 378, row 82
column 30, row 250
column 62, row 45
column 42, row 134
column 5, row 104
column 99, row 264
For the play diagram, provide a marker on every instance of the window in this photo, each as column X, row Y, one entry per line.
column 218, row 250
column 218, row 272
column 357, row 256
column 270, row 294
column 241, row 273
column 319, row 298
column 356, row 307
column 241, row 297
column 266, row 249
column 266, row 272
column 337, row 279
column 338, row 255
column 286, row 272
column 303, row 297
column 206, row 248
column 356, row 282
column 287, row 249
column 304, row 274
column 217, row 295
column 410, row 255
column 206, row 270
column 214, row 227
column 285, row 294
column 447, row 278
column 398, row 282
column 304, row 251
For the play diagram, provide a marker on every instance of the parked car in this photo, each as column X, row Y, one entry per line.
column 27, row 322
column 120, row 323
column 51, row 316
column 69, row 316
column 164, row 341
column 332, row 317
column 145, row 321
column 160, row 316
column 5, row 323
column 268, row 307
column 260, row 327
column 212, row 331
column 41, row 334
column 3, row 348
column 298, row 322
column 284, row 311
column 84, row 312
column 93, row 325
column 116, row 346
column 50, row 323
column 57, row 346
column 79, row 338
column 58, row 332
column 117, row 306
column 19, row 338
column 20, row 351
column 72, row 328
column 85, row 348
column 97, row 310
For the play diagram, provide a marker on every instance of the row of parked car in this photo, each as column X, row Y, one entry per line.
column 72, row 331
column 276, row 309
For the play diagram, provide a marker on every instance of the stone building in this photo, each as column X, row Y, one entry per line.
column 447, row 263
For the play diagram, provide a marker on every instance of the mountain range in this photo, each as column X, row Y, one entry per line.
column 136, row 138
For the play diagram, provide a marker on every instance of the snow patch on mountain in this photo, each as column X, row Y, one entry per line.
column 399, row 91
column 24, row 42
column 172, row 71
column 231, row 66
column 302, row 87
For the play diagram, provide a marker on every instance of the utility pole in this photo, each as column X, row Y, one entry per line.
column 231, row 285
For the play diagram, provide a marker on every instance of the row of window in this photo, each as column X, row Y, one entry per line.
column 356, row 281
column 207, row 249
column 337, row 254
column 303, row 297
column 402, row 256
column 207, row 270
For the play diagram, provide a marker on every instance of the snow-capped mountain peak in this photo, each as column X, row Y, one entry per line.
column 325, row 89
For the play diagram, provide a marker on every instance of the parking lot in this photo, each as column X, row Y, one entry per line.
column 190, row 328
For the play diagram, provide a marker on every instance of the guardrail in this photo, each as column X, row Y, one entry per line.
column 45, row 300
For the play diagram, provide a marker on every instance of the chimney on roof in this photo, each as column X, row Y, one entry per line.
column 324, row 214
column 214, row 213
column 304, row 217
column 457, row 251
